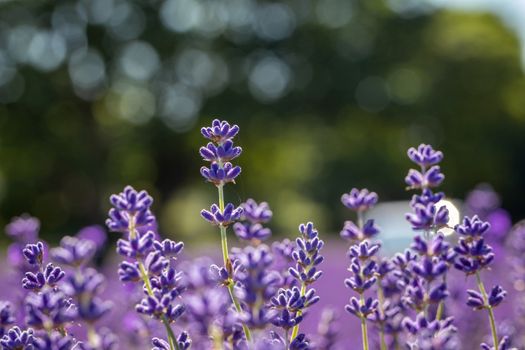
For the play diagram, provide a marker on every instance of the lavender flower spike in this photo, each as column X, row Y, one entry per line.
column 425, row 155
column 17, row 339
column 130, row 209
column 359, row 200
column 473, row 255
column 220, row 131
column 223, row 218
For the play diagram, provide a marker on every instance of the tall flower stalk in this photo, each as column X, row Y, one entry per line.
column 474, row 255
column 362, row 260
column 148, row 260
column 219, row 152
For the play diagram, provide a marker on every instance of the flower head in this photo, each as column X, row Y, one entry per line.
column 220, row 131
column 225, row 217
column 130, row 209
column 23, row 229
column 359, row 200
column 424, row 155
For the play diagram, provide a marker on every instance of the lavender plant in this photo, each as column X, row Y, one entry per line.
column 219, row 152
column 63, row 303
column 149, row 261
column 363, row 265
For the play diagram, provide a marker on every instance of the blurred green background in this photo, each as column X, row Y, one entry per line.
column 329, row 94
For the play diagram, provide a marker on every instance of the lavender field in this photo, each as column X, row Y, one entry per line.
column 262, row 174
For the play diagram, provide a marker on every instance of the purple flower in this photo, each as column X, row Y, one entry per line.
column 169, row 248
column 95, row 234
column 221, row 174
column 220, row 131
column 23, row 229
column 425, row 155
column 129, row 272
column 73, row 251
column 431, row 178
column 359, row 200
column 86, row 287
column 426, row 217
column 137, row 246
column 362, row 310
column 431, row 335
column 34, row 253
column 48, row 310
column 130, row 209
column 224, row 218
column 504, row 344
column 160, row 305
column 256, row 213
column 307, row 255
column 51, row 275
column 251, row 232
column 6, row 317
column 473, row 254
column 54, row 341
column 472, row 227
column 222, row 153
column 429, row 268
column 354, row 234
column 257, row 283
column 17, row 339
column 183, row 343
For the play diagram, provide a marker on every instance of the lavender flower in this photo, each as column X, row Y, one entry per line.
column 49, row 310
column 73, row 251
column 426, row 216
column 151, row 260
column 23, row 229
column 85, row 288
column 425, row 155
column 6, row 317
column 362, row 262
column 475, row 255
column 219, row 217
column 257, row 284
column 431, row 335
column 220, row 131
column 50, row 276
column 221, row 172
column 359, row 200
column 34, row 253
column 254, row 215
column 307, row 257
column 131, row 209
column 17, row 339
column 54, row 341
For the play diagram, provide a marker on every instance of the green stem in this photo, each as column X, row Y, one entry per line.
column 227, row 262
column 364, row 331
column 489, row 309
column 381, row 299
column 171, row 337
column 286, row 340
column 439, row 312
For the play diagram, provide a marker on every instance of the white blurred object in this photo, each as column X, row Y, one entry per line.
column 396, row 233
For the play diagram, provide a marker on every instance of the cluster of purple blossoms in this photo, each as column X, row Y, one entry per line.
column 426, row 216
column 254, row 216
column 268, row 294
column 149, row 262
column 473, row 256
column 363, row 260
column 56, row 298
column 291, row 302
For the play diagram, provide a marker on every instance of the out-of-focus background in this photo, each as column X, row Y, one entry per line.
column 329, row 94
